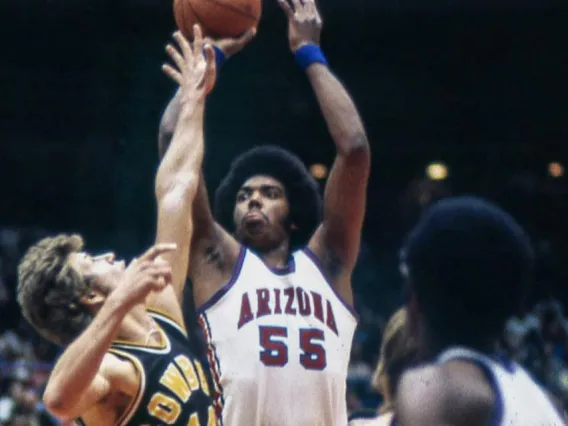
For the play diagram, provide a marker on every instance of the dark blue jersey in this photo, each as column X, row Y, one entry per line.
column 173, row 385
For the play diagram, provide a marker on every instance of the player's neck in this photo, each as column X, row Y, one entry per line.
column 277, row 257
column 137, row 327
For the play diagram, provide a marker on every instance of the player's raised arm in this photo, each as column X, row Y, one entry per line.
column 337, row 240
column 208, row 236
column 178, row 175
column 203, row 221
column 85, row 374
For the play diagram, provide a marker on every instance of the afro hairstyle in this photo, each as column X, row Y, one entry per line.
column 301, row 189
column 469, row 265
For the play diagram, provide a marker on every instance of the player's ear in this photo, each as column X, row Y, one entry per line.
column 93, row 300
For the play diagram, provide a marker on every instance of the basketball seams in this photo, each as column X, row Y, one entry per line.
column 206, row 29
column 234, row 9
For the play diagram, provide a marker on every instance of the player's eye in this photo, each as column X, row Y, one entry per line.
column 242, row 196
column 271, row 193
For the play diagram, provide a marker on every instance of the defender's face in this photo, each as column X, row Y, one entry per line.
column 261, row 213
column 104, row 269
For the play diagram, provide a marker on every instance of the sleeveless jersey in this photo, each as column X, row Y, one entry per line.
column 173, row 386
column 372, row 419
column 279, row 343
column 519, row 400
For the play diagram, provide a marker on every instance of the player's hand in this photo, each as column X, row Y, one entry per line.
column 304, row 22
column 148, row 273
column 195, row 68
column 231, row 46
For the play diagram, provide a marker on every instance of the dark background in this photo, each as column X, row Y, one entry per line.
column 477, row 84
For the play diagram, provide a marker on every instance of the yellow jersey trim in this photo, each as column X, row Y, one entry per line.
column 133, row 406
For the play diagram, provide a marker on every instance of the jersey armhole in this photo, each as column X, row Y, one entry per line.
column 134, row 404
column 167, row 322
column 225, row 288
column 316, row 262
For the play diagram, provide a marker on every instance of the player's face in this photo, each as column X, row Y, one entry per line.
column 103, row 269
column 261, row 213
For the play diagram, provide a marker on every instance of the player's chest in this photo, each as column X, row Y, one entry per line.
column 283, row 301
column 108, row 411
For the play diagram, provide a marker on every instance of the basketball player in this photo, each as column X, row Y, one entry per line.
column 271, row 279
column 127, row 359
column 398, row 353
column 467, row 264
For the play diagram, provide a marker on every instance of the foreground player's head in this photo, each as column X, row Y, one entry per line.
column 267, row 198
column 468, row 265
column 60, row 288
column 398, row 353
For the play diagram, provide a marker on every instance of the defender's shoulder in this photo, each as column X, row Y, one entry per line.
column 455, row 393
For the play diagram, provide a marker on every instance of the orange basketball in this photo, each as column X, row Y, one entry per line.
column 185, row 17
column 218, row 18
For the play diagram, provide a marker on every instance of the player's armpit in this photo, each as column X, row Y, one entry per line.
column 99, row 388
column 212, row 261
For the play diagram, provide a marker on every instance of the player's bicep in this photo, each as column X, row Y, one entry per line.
column 99, row 389
column 344, row 206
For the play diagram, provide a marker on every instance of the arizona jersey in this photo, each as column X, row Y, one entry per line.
column 519, row 400
column 279, row 343
column 173, row 386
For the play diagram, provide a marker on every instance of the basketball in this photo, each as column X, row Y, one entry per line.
column 217, row 18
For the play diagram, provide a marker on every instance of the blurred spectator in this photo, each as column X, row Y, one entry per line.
column 398, row 352
column 25, row 361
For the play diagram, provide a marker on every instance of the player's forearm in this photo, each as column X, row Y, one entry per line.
column 81, row 361
column 168, row 124
column 201, row 211
column 181, row 164
column 339, row 111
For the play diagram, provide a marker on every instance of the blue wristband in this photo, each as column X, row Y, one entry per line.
column 308, row 55
column 219, row 57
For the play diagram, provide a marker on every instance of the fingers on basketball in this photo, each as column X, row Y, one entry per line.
column 211, row 70
column 246, row 37
column 197, row 40
column 210, row 58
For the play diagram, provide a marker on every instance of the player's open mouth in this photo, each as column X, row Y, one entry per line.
column 255, row 215
column 254, row 221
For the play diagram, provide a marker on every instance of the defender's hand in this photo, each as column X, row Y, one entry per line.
column 143, row 275
column 304, row 22
column 194, row 71
column 231, row 46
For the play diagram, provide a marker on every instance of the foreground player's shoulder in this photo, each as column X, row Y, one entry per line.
column 123, row 371
column 361, row 417
column 446, row 395
column 370, row 418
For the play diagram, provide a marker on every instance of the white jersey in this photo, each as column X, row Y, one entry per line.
column 279, row 343
column 520, row 401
